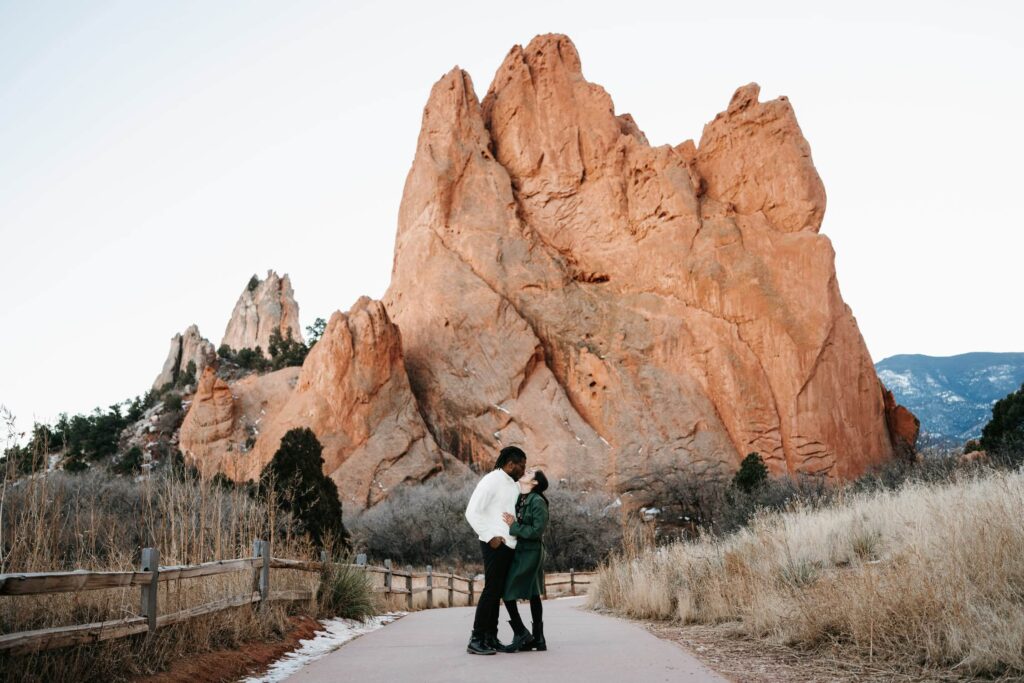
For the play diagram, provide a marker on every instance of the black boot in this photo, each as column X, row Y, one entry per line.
column 478, row 646
column 491, row 641
column 522, row 640
column 538, row 644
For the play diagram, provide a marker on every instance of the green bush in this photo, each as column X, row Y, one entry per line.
column 92, row 436
column 295, row 479
column 19, row 460
column 346, row 592
column 1004, row 433
column 187, row 377
column 130, row 463
column 752, row 473
column 172, row 403
column 286, row 352
column 75, row 465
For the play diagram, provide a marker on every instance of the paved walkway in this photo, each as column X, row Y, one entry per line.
column 430, row 646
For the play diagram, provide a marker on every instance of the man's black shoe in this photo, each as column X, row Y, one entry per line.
column 479, row 647
column 491, row 641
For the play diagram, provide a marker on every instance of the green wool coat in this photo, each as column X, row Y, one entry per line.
column 526, row 576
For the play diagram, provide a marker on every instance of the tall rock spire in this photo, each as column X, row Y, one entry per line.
column 263, row 307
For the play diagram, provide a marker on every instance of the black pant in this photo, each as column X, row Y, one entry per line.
column 496, row 564
column 536, row 613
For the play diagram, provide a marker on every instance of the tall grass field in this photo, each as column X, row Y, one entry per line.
column 931, row 574
column 98, row 522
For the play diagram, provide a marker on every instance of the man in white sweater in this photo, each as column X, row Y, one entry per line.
column 495, row 494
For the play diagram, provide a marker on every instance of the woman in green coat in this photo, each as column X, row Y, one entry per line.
column 526, row 575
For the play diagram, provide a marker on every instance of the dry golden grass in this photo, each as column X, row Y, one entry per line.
column 87, row 521
column 928, row 575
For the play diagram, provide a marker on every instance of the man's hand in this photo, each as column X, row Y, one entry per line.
column 509, row 519
column 496, row 541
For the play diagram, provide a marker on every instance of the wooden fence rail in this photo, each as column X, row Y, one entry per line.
column 150, row 575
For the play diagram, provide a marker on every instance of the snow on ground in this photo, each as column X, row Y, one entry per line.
column 336, row 633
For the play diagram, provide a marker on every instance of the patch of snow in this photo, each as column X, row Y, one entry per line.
column 336, row 633
column 504, row 410
column 896, row 381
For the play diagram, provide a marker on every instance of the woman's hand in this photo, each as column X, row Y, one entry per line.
column 509, row 519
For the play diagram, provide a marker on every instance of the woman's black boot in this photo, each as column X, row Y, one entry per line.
column 522, row 640
column 538, row 644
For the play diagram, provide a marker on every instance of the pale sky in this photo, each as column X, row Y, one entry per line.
column 154, row 155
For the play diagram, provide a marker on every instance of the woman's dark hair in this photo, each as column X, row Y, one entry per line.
column 509, row 454
column 542, row 484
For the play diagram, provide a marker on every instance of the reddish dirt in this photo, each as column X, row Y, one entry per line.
column 230, row 665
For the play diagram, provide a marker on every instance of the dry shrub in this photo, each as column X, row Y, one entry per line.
column 929, row 574
column 91, row 521
column 426, row 524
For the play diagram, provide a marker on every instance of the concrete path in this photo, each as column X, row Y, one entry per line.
column 430, row 646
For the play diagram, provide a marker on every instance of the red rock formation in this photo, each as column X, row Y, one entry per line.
column 352, row 391
column 904, row 427
column 186, row 347
column 261, row 310
column 220, row 428
column 616, row 308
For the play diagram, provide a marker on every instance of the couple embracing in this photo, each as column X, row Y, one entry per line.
column 509, row 512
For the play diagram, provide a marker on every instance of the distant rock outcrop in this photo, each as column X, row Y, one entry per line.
column 620, row 309
column 263, row 307
column 189, row 346
column 352, row 391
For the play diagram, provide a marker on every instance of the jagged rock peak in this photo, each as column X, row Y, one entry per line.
column 263, row 307
column 622, row 310
column 188, row 346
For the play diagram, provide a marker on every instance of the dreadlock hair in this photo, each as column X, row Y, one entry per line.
column 509, row 454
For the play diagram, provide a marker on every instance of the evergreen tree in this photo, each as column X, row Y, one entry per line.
column 286, row 352
column 752, row 473
column 296, row 477
column 315, row 331
column 1005, row 431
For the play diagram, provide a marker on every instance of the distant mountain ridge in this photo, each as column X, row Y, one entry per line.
column 951, row 395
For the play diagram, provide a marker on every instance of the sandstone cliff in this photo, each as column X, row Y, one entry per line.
column 263, row 307
column 352, row 391
column 616, row 308
column 185, row 347
column 223, row 422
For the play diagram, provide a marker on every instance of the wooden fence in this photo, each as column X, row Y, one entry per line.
column 150, row 575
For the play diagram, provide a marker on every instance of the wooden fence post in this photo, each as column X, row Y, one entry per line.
column 451, row 586
column 387, row 577
column 572, row 580
column 150, row 563
column 323, row 560
column 261, row 549
column 408, row 585
column 470, row 583
column 544, row 585
column 430, row 586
